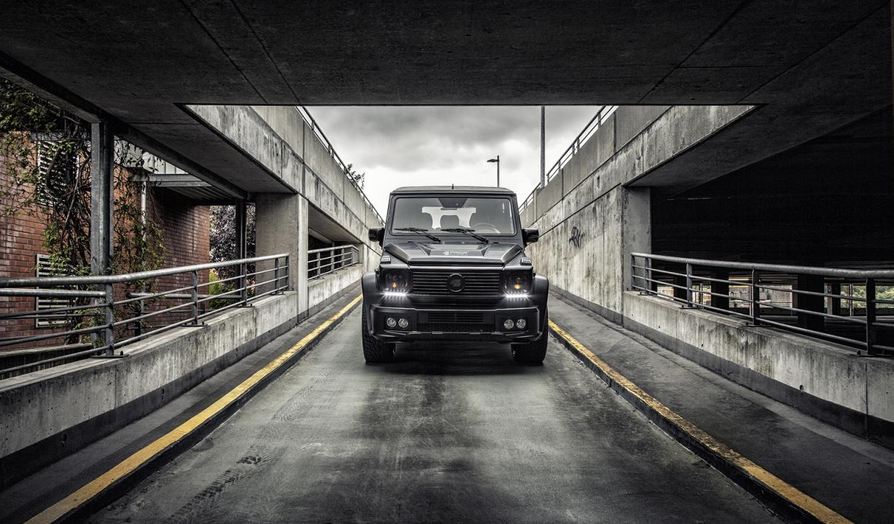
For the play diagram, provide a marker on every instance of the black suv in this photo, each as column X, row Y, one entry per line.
column 454, row 268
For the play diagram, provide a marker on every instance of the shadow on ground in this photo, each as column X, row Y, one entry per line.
column 454, row 358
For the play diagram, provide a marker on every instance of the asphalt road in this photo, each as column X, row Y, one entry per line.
column 445, row 434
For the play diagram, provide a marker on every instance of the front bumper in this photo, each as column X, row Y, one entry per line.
column 446, row 318
column 455, row 323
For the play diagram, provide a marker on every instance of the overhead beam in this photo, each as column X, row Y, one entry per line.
column 45, row 88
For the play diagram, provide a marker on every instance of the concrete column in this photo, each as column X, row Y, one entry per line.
column 281, row 227
column 636, row 228
column 101, row 197
column 810, row 302
column 720, row 287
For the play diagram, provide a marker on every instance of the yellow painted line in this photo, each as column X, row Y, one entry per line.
column 128, row 466
column 783, row 489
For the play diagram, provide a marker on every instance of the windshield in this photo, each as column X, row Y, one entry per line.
column 483, row 215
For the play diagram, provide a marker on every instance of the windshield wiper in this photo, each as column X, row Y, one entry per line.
column 419, row 230
column 468, row 231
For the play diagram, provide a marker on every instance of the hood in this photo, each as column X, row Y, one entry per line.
column 421, row 253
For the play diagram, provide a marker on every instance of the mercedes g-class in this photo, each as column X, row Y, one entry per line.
column 453, row 267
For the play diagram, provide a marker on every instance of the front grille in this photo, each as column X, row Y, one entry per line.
column 434, row 282
column 455, row 321
column 456, row 316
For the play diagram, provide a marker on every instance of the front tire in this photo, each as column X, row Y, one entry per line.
column 375, row 351
column 534, row 352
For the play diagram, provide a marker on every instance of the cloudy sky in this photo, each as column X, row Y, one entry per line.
column 418, row 145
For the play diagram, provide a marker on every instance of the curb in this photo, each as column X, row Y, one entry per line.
column 112, row 484
column 784, row 499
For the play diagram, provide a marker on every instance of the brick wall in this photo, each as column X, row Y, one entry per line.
column 21, row 240
column 185, row 229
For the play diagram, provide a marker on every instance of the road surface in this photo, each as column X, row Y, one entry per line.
column 445, row 434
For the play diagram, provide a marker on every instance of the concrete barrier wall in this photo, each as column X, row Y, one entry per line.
column 584, row 248
column 321, row 289
column 815, row 376
column 48, row 413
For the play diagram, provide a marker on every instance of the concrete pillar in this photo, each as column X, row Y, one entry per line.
column 810, row 302
column 102, row 196
column 636, row 228
column 281, row 227
column 720, row 287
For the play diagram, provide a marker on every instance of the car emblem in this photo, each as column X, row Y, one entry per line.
column 455, row 283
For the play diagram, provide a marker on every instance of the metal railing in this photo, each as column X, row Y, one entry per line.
column 105, row 313
column 323, row 261
column 589, row 129
column 318, row 133
column 840, row 305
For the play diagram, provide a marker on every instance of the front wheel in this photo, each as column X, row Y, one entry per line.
column 534, row 352
column 375, row 351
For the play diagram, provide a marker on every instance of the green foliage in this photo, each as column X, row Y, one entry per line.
column 358, row 177
column 61, row 189
column 223, row 237
column 31, row 130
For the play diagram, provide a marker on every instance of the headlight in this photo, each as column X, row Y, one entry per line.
column 396, row 280
column 517, row 282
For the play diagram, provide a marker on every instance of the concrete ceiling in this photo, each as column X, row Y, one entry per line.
column 139, row 64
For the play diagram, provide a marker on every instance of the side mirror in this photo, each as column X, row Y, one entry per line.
column 377, row 234
column 529, row 236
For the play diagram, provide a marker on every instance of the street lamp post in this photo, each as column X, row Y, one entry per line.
column 497, row 160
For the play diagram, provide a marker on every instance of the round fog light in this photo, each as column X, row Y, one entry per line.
column 521, row 323
column 390, row 322
column 508, row 323
column 402, row 322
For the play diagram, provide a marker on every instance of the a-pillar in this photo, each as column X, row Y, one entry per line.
column 815, row 284
column 281, row 227
column 101, row 197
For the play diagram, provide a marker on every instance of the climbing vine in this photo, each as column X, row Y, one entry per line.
column 46, row 154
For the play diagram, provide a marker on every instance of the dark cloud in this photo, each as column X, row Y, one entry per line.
column 418, row 145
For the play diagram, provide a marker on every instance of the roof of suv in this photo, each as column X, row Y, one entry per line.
column 453, row 189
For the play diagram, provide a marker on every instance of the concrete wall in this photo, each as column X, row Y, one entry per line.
column 586, row 238
column 320, row 290
column 588, row 231
column 278, row 139
column 48, row 413
column 815, row 376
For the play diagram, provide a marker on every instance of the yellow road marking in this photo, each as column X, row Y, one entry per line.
column 790, row 493
column 94, row 488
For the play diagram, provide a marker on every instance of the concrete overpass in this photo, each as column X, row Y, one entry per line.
column 730, row 97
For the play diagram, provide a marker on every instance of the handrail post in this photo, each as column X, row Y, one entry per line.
column 634, row 276
column 689, row 285
column 755, row 298
column 286, row 271
column 653, row 287
column 870, row 316
column 243, row 284
column 194, row 296
column 109, row 338
column 276, row 276
column 139, row 327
